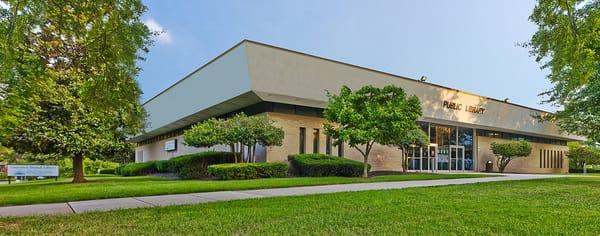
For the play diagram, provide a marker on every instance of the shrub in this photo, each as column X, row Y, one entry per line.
column 507, row 151
column 134, row 169
column 106, row 171
column 162, row 166
column 325, row 165
column 195, row 166
column 248, row 170
column 580, row 170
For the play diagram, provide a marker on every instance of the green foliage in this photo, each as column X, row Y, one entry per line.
column 135, row 169
column 208, row 133
column 505, row 152
column 371, row 115
column 107, row 171
column 566, row 45
column 315, row 165
column 67, row 77
column 239, row 129
column 195, row 166
column 163, row 166
column 409, row 139
column 248, row 170
column 580, row 153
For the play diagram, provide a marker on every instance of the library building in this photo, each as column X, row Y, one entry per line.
column 290, row 88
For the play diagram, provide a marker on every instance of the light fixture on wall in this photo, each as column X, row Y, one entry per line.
column 423, row 78
column 507, row 100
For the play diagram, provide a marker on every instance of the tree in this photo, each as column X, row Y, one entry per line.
column 371, row 115
column 67, row 70
column 241, row 132
column 580, row 153
column 411, row 139
column 506, row 152
column 262, row 131
column 566, row 44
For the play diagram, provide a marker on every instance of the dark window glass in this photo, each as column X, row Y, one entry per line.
column 512, row 136
column 328, row 145
column 315, row 140
column 341, row 149
column 302, row 137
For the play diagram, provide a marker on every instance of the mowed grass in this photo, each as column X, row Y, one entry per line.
column 50, row 191
column 562, row 206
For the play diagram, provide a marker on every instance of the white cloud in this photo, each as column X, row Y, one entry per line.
column 163, row 35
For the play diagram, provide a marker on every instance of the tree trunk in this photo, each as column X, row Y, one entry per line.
column 502, row 163
column 365, row 167
column 404, row 161
column 78, row 169
column 242, row 157
column 232, row 147
column 254, row 152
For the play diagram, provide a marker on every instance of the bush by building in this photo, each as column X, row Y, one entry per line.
column 134, row 169
column 325, row 165
column 106, row 171
column 248, row 170
column 195, row 166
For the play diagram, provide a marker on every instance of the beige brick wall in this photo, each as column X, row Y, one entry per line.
column 529, row 164
column 381, row 158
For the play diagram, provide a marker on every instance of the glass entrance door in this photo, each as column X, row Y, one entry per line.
column 457, row 157
column 422, row 158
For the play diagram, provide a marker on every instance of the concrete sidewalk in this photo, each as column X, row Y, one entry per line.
column 194, row 198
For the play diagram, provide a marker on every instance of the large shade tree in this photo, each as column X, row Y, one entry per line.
column 371, row 115
column 567, row 45
column 67, row 77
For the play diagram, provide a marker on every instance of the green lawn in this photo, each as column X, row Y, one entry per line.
column 49, row 191
column 564, row 206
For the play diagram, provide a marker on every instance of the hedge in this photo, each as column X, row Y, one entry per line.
column 133, row 169
column 580, row 170
column 106, row 171
column 195, row 166
column 248, row 170
column 325, row 165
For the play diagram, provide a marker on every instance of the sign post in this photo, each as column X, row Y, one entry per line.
column 32, row 170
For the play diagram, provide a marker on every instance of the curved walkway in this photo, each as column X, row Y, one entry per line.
column 194, row 198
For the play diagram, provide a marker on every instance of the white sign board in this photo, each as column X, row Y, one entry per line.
column 171, row 145
column 32, row 170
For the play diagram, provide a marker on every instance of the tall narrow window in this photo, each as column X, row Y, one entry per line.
column 328, row 145
column 540, row 158
column 341, row 149
column 315, row 140
column 302, row 137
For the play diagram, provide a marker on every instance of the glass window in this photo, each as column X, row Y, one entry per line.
column 315, row 140
column 341, row 149
column 302, row 137
column 453, row 134
column 465, row 139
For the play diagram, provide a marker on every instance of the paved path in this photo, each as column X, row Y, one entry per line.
column 193, row 198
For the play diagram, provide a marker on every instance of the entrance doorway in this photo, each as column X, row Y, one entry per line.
column 457, row 158
column 422, row 158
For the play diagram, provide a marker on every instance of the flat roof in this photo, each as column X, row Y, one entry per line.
column 339, row 62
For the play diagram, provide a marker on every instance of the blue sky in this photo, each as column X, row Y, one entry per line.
column 467, row 45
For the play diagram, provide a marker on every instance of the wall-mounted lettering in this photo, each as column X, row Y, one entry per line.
column 459, row 106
